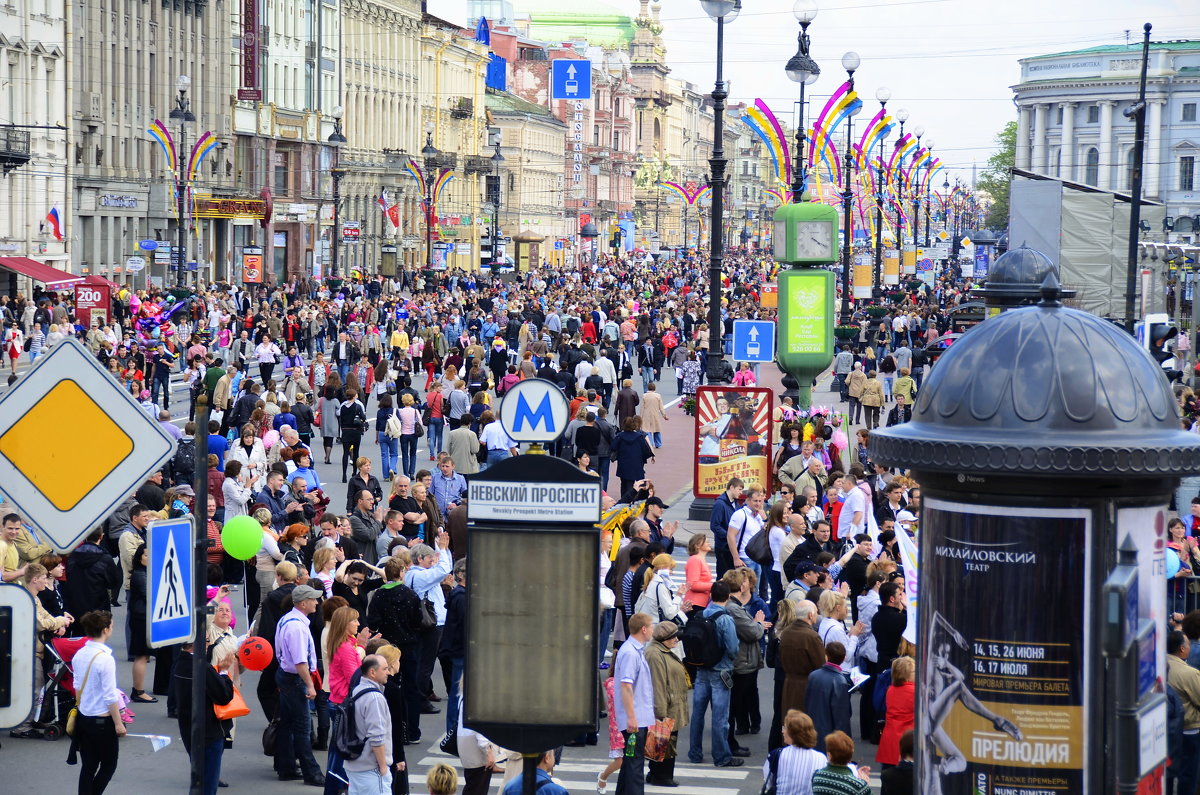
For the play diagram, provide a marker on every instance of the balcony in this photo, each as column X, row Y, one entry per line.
column 443, row 160
column 462, row 108
column 14, row 148
column 477, row 164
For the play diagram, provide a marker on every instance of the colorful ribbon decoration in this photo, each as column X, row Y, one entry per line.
column 689, row 196
column 159, row 132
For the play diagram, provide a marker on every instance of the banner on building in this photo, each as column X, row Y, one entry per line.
column 733, row 438
column 250, row 88
column 1004, row 678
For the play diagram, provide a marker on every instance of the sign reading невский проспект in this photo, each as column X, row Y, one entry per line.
column 564, row 502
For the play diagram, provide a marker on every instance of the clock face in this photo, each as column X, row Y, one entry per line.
column 814, row 240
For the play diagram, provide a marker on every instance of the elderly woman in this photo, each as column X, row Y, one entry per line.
column 250, row 453
column 662, row 598
column 265, row 559
column 834, row 607
column 799, row 758
column 671, row 697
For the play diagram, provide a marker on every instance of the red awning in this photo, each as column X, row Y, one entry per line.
column 38, row 271
column 97, row 279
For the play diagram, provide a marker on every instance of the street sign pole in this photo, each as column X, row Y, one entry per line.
column 199, row 594
column 17, row 661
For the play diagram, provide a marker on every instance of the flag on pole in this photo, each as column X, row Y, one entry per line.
column 55, row 222
column 909, row 559
column 382, row 201
column 393, row 215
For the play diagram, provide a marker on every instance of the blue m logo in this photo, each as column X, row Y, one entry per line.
column 543, row 414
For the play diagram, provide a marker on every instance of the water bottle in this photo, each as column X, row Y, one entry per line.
column 631, row 745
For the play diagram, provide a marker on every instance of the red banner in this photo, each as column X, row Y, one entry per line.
column 92, row 298
column 733, row 438
column 250, row 51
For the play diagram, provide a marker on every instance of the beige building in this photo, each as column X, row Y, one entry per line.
column 531, row 175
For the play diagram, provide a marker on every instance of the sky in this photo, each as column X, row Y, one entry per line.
column 949, row 62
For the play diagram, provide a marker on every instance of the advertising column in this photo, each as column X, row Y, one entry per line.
column 1002, row 702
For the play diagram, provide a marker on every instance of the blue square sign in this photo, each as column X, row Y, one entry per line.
column 169, row 614
column 570, row 79
column 754, row 341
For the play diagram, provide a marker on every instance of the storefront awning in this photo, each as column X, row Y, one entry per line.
column 38, row 271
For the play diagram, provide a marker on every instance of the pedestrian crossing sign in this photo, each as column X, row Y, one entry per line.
column 169, row 581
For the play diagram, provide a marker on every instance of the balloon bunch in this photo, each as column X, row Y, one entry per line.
column 153, row 322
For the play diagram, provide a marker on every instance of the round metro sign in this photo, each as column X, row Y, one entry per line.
column 534, row 410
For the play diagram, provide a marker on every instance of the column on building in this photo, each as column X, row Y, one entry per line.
column 1067, row 148
column 1106, row 144
column 1023, row 123
column 1153, row 156
column 1039, row 138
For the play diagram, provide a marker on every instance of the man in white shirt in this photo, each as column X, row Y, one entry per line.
column 499, row 445
column 852, row 519
column 744, row 525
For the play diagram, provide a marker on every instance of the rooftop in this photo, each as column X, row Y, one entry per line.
column 504, row 102
column 1182, row 45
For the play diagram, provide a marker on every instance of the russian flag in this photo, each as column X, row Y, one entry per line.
column 55, row 222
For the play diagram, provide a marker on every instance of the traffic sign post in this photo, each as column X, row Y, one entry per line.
column 170, row 618
column 17, row 660
column 74, row 445
column 753, row 341
column 570, row 78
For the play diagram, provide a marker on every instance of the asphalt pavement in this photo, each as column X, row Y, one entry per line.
column 246, row 769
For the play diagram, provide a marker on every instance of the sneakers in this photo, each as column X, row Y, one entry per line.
column 733, row 761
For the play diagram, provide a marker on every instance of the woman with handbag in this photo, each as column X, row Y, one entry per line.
column 410, row 421
column 222, row 703
column 95, row 724
column 661, row 598
column 672, row 703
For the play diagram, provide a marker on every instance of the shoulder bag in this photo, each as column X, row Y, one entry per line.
column 74, row 713
column 236, row 708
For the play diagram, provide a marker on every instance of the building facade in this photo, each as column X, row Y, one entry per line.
column 34, row 115
column 1071, row 123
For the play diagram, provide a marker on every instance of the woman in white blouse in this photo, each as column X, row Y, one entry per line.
column 98, row 724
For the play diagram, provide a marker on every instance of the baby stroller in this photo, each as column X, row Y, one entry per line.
column 57, row 695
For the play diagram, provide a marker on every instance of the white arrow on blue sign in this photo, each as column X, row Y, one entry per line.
column 170, row 618
column 754, row 341
column 570, row 78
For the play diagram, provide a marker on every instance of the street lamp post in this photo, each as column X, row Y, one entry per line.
column 928, row 195
column 494, row 136
column 883, row 95
column 336, row 140
column 898, row 183
column 182, row 113
column 850, row 62
column 919, row 131
column 802, row 69
column 718, row 10
column 428, row 154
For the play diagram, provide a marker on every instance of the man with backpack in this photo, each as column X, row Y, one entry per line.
column 367, row 736
column 710, row 645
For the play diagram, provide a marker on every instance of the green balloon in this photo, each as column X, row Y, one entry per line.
column 241, row 536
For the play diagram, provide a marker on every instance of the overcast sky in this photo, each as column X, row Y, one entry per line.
column 950, row 62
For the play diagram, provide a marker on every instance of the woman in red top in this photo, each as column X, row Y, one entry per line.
column 344, row 651
column 899, row 710
column 697, row 574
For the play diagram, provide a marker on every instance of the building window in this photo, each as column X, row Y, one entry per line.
column 1093, row 114
column 1189, row 111
column 282, row 173
column 1091, row 174
column 1060, row 114
column 1187, row 172
column 595, row 135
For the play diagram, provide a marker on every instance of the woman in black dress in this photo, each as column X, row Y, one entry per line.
column 352, row 418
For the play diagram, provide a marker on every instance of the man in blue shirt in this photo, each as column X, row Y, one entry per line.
column 543, row 784
column 713, row 686
column 218, row 445
column 635, row 703
column 448, row 486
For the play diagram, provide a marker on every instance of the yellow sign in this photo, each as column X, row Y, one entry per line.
column 966, row 241
column 74, row 445
column 25, row 445
column 942, row 235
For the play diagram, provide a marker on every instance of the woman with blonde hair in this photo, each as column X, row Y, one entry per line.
column 442, row 780
column 661, row 598
column 834, row 607
column 393, row 692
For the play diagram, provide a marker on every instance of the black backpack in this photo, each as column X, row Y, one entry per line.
column 701, row 643
column 346, row 740
column 183, row 465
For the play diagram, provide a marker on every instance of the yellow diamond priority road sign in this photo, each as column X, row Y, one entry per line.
column 74, row 444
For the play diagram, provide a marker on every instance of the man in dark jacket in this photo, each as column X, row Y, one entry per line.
column 277, row 501
column 854, row 569
column 889, row 624
column 218, row 689
column 627, row 402
column 452, row 650
column 243, row 408
column 827, row 700
column 273, row 609
column 816, row 542
column 395, row 613
column 92, row 577
column 718, row 523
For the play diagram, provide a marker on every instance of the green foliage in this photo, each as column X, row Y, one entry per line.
column 995, row 178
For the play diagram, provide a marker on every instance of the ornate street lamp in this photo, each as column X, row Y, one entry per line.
column 883, row 95
column 802, row 69
column 336, row 140
column 182, row 114
column 429, row 154
column 850, row 62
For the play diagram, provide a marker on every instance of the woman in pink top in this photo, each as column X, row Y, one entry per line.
column 344, row 651
column 697, row 573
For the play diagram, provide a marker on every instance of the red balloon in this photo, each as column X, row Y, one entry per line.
column 255, row 653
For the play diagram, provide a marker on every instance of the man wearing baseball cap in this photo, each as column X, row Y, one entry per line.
column 807, row 574
column 297, row 657
column 660, row 531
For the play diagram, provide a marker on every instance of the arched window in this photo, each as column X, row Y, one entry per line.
column 1091, row 174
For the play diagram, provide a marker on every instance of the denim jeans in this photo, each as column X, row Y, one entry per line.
column 608, row 619
column 335, row 766
column 437, row 426
column 887, row 385
column 212, row 765
column 294, row 741
column 709, row 689
column 408, row 453
column 656, row 439
column 456, row 673
column 603, row 467
column 632, row 778
column 343, row 370
column 388, row 450
column 369, row 782
column 496, row 456
column 162, row 382
column 647, row 375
